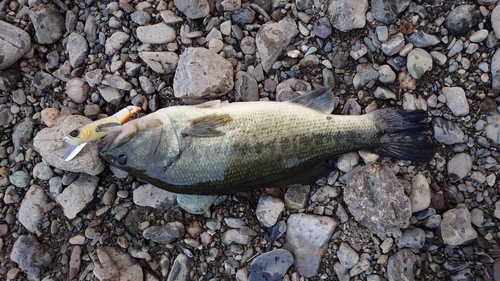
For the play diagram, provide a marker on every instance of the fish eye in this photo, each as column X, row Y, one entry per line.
column 122, row 159
column 74, row 133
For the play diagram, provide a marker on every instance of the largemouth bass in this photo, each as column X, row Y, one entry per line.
column 219, row 148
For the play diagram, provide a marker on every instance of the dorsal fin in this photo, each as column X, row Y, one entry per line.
column 321, row 99
column 207, row 126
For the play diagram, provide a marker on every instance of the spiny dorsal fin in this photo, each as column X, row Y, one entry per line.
column 207, row 126
column 208, row 104
column 321, row 99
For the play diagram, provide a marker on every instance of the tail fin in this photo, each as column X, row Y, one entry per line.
column 405, row 135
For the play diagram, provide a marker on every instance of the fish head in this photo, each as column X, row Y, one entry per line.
column 134, row 145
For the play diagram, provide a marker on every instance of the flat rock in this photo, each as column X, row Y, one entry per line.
column 159, row 33
column 306, row 238
column 31, row 210
column 347, row 256
column 111, row 263
column 193, row 9
column 160, row 62
column 48, row 142
column 195, row 204
column 269, row 210
column 273, row 38
column 271, row 265
column 31, row 256
column 400, row 266
column 48, row 23
column 148, row 195
column 420, row 39
column 376, row 199
column 346, row 15
column 447, row 132
column 209, row 74
column 456, row 227
column 164, row 234
column 456, row 100
column 77, row 48
column 14, row 43
column 77, row 195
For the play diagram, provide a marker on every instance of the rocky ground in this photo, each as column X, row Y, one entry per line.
column 65, row 63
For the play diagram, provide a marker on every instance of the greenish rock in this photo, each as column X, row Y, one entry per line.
column 43, row 171
column 195, row 204
column 418, row 62
column 20, row 179
column 387, row 11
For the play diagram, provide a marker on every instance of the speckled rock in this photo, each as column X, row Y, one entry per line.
column 269, row 210
column 77, row 195
column 400, row 266
column 31, row 211
column 418, row 62
column 48, row 23
column 456, row 227
column 31, row 256
column 150, row 196
column 195, row 204
column 348, row 14
column 111, row 263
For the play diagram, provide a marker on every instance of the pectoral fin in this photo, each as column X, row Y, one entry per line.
column 207, row 126
column 321, row 99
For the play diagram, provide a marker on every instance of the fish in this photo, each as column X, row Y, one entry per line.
column 224, row 148
column 79, row 137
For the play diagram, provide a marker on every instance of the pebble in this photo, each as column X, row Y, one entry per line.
column 456, row 100
column 296, row 197
column 50, row 116
column 365, row 74
column 148, row 195
column 42, row 80
column 322, row 28
column 246, row 87
column 347, row 256
column 273, row 264
column 346, row 15
column 159, row 33
column 77, row 90
column 180, row 269
column 19, row 43
column 362, row 265
column 77, row 195
column 384, row 93
column 393, row 45
column 387, row 11
column 193, row 9
column 386, row 75
column 75, row 261
column 376, row 199
column 477, row 217
column 421, row 39
column 478, row 36
column 115, row 42
column 412, row 238
column 31, row 211
column 346, row 162
column 418, row 62
column 77, row 48
column 164, row 234
column 112, row 263
column 439, row 57
column 269, row 210
column 48, row 23
column 20, row 179
column 461, row 19
column 110, row 94
column 495, row 21
column 31, row 256
column 243, row 16
column 272, row 39
column 420, row 196
column 140, row 17
column 456, row 226
column 239, row 236
column 306, row 239
column 459, row 166
column 400, row 266
column 160, row 62
column 195, row 204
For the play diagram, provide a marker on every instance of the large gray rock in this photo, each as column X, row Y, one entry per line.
column 377, row 200
column 400, row 266
column 201, row 73
column 346, row 15
column 48, row 23
column 306, row 239
column 31, row 211
column 273, row 38
column 49, row 143
column 31, row 256
column 14, row 43
column 77, row 195
column 111, row 263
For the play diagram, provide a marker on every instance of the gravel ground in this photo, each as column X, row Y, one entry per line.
column 65, row 63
